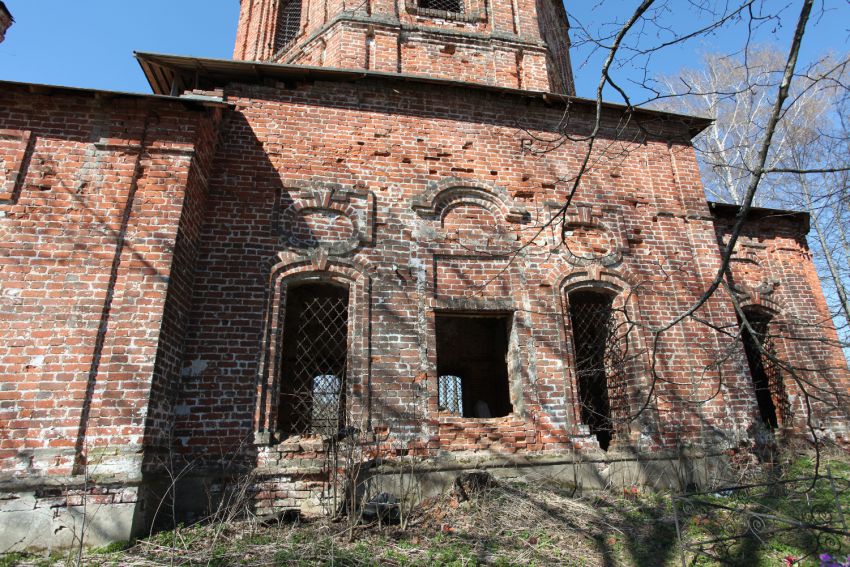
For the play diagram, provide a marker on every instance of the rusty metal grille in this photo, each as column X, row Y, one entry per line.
column 288, row 23
column 600, row 363
column 455, row 6
column 313, row 393
column 450, row 394
column 767, row 380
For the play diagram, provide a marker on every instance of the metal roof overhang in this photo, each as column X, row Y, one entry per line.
column 38, row 88
column 170, row 74
column 729, row 210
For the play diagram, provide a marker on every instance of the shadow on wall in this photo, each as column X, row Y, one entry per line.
column 215, row 410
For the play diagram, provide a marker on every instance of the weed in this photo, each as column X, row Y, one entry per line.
column 114, row 547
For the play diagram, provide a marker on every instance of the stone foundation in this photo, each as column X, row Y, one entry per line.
column 413, row 479
column 57, row 515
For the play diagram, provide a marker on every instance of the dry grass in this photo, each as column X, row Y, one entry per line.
column 509, row 524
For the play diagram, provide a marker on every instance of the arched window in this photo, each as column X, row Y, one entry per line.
column 758, row 347
column 592, row 320
column 314, row 361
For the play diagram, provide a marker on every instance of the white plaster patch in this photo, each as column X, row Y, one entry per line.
column 195, row 369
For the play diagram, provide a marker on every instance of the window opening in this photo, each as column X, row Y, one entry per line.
column 315, row 352
column 450, row 394
column 455, row 6
column 592, row 318
column 472, row 364
column 762, row 369
column 288, row 23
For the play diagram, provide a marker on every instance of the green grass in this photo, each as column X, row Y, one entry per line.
column 795, row 501
column 12, row 559
column 114, row 547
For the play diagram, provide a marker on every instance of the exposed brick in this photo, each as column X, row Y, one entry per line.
column 147, row 245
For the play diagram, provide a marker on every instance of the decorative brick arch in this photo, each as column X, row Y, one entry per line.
column 288, row 268
column 329, row 198
column 572, row 277
column 762, row 300
column 443, row 196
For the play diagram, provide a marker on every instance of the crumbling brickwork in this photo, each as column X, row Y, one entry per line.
column 234, row 281
column 435, row 221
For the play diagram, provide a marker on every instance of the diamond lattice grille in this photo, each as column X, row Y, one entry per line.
column 288, row 23
column 600, row 363
column 450, row 394
column 767, row 380
column 313, row 397
column 455, row 6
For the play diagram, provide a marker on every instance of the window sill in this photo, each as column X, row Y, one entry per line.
column 446, row 418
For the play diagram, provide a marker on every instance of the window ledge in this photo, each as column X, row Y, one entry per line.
column 446, row 418
column 263, row 438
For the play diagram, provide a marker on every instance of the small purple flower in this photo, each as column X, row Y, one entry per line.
column 826, row 560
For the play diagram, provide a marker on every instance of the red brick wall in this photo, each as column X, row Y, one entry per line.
column 139, row 304
column 255, row 34
column 165, row 381
column 142, row 301
column 88, row 219
column 553, row 26
column 773, row 272
column 422, row 247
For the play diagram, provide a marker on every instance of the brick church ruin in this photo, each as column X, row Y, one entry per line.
column 352, row 230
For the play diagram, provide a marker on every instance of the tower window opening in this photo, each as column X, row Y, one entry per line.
column 313, row 365
column 288, row 23
column 757, row 346
column 454, row 6
column 472, row 365
column 592, row 319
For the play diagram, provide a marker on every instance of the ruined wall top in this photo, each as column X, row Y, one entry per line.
column 520, row 44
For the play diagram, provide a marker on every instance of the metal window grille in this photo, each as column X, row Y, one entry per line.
column 767, row 380
column 455, row 6
column 288, row 23
column 326, row 395
column 600, row 363
column 313, row 398
column 450, row 394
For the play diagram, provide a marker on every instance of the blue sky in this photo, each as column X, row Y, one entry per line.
column 89, row 43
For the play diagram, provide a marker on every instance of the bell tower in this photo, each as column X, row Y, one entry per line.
column 520, row 44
